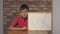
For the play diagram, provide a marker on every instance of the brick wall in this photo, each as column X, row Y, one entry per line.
column 11, row 8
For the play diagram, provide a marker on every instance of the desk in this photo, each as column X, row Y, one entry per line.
column 27, row 32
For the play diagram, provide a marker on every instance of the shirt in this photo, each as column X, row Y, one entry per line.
column 20, row 21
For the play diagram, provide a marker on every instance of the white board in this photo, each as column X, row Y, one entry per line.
column 39, row 21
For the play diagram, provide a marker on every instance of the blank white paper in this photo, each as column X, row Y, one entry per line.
column 39, row 21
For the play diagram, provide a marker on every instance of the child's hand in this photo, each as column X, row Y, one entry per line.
column 25, row 28
column 10, row 27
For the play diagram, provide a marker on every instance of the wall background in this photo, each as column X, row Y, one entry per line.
column 56, row 16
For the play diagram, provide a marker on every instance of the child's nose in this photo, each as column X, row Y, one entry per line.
column 23, row 13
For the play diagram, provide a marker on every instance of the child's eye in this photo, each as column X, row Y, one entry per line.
column 26, row 11
column 21, row 12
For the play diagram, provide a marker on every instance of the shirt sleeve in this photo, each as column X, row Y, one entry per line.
column 14, row 22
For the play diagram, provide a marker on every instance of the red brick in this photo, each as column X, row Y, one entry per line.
column 4, row 16
column 5, row 23
column 5, row 0
column 34, row 8
column 8, row 14
column 22, row 0
column 37, row 2
column 11, row 0
column 4, row 9
column 49, row 0
column 13, row 11
column 9, row 3
column 12, row 6
column 37, row 6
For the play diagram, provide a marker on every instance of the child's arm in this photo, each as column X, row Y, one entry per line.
column 14, row 22
column 14, row 28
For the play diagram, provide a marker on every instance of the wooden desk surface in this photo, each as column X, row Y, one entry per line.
column 26, row 32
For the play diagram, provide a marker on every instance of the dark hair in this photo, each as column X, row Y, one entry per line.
column 24, row 6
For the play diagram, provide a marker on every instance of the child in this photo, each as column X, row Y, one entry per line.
column 21, row 20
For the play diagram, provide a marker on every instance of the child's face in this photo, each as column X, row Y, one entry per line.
column 24, row 13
